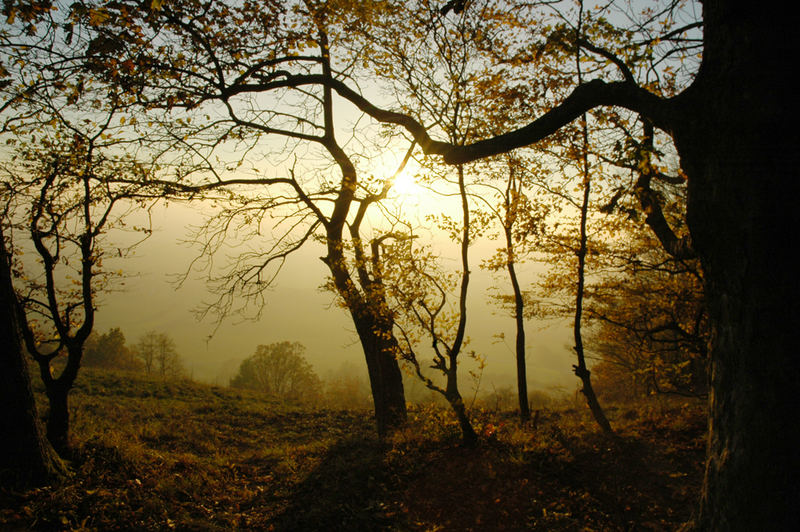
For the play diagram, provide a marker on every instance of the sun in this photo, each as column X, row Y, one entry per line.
column 404, row 186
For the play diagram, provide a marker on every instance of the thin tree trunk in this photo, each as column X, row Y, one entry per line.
column 453, row 395
column 519, row 318
column 581, row 371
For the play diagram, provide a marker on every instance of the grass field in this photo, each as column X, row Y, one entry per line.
column 153, row 455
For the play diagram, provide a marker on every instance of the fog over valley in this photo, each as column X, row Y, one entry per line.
column 149, row 298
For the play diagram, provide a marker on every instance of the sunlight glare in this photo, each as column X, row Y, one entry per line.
column 404, row 186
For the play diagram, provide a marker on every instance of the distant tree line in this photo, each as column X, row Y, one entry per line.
column 153, row 354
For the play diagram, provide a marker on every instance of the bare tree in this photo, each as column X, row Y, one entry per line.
column 60, row 206
column 254, row 88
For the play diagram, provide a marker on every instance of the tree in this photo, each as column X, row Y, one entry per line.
column 440, row 72
column 145, row 350
column 650, row 330
column 649, row 322
column 109, row 351
column 281, row 371
column 732, row 122
column 248, row 77
column 580, row 369
column 27, row 456
column 520, row 219
column 733, row 129
column 60, row 205
column 346, row 388
column 158, row 353
column 422, row 296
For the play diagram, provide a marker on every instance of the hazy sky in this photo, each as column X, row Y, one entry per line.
column 297, row 310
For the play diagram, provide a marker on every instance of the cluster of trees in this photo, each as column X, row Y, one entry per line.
column 108, row 105
column 153, row 354
column 281, row 371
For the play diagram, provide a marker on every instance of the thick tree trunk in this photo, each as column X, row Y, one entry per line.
column 26, row 456
column 739, row 146
column 385, row 377
column 377, row 341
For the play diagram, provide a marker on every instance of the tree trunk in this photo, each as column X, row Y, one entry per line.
column 738, row 143
column 58, row 418
column 580, row 369
column 385, row 377
column 519, row 319
column 26, row 456
column 591, row 398
column 374, row 329
column 468, row 436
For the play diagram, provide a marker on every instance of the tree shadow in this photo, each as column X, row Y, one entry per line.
column 348, row 490
column 570, row 482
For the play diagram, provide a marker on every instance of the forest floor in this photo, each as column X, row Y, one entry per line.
column 152, row 455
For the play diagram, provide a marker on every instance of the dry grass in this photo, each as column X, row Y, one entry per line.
column 160, row 456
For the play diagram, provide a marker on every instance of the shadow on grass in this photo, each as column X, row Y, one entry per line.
column 591, row 482
column 346, row 491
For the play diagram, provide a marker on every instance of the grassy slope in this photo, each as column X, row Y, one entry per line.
column 153, row 455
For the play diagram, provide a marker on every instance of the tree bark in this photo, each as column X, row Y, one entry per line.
column 385, row 377
column 26, row 457
column 738, row 143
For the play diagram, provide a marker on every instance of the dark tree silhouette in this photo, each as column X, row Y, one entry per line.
column 27, row 456
column 261, row 61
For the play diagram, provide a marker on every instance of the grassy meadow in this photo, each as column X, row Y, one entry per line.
column 153, row 455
